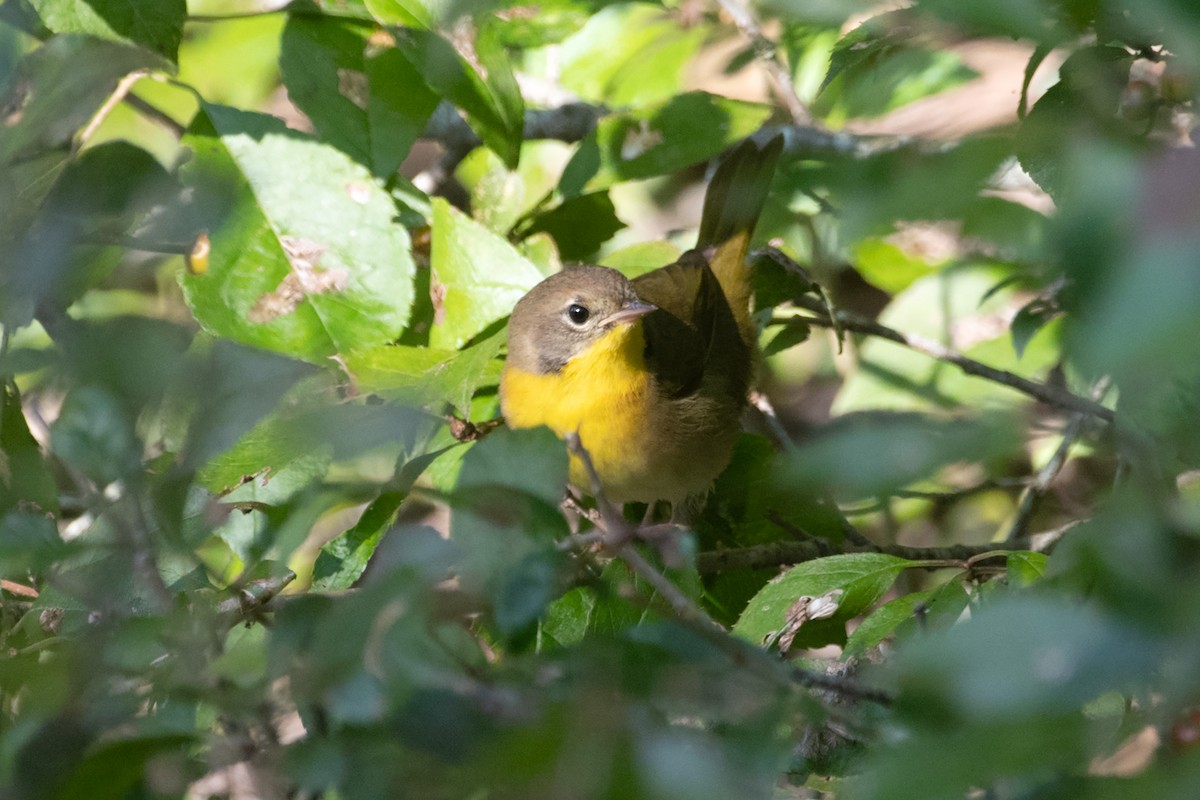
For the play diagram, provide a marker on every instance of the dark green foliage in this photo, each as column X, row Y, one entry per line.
column 256, row 523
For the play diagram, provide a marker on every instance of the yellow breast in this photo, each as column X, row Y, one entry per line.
column 606, row 395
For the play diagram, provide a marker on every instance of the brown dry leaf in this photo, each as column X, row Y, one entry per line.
column 304, row 280
column 352, row 85
column 805, row 609
column 638, row 140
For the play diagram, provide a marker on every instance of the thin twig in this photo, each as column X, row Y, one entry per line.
column 1040, row 486
column 688, row 611
column 768, row 55
column 572, row 122
column 617, row 531
column 943, row 496
column 840, row 685
column 118, row 94
column 761, row 403
column 252, row 599
column 776, row 554
column 136, row 533
column 1045, row 393
column 155, row 114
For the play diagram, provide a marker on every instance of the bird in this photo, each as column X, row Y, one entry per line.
column 651, row 373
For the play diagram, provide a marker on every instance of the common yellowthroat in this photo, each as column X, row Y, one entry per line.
column 652, row 373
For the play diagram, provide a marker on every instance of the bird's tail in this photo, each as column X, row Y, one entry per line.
column 732, row 205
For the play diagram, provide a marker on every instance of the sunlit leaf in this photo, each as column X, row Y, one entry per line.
column 306, row 258
column 156, row 25
column 646, row 64
column 425, row 376
column 1026, row 567
column 885, row 265
column 638, row 259
column 342, row 561
column 480, row 277
column 368, row 101
column 493, row 109
column 659, row 139
column 863, row 577
column 401, row 12
column 871, row 74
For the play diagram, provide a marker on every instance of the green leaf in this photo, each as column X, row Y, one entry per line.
column 528, row 588
column 156, row 25
column 427, row 377
column 880, row 623
column 224, row 410
column 479, row 275
column 1077, row 108
column 50, row 99
column 638, row 259
column 659, row 139
column 351, row 9
column 629, row 54
column 504, row 513
column 873, row 453
column 290, row 449
column 95, row 435
column 1016, row 19
column 499, row 197
column 115, row 769
column 243, row 658
column 985, row 754
column 898, row 378
column 25, row 481
column 1025, row 567
column 553, row 21
column 497, row 67
column 1030, row 319
column 603, row 609
column 343, row 560
column 580, row 224
column 29, row 543
column 108, row 192
column 788, row 337
column 399, row 106
column 1018, row 231
column 1022, row 656
column 871, row 194
column 540, row 454
column 412, row 13
column 886, row 266
column 306, row 257
column 56, row 99
column 493, row 110
column 863, row 577
column 366, row 101
column 871, row 76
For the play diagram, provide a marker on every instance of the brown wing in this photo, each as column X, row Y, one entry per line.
column 693, row 330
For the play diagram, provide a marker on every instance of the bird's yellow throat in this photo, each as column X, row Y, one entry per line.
column 603, row 394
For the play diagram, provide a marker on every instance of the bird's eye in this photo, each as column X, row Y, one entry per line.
column 577, row 314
